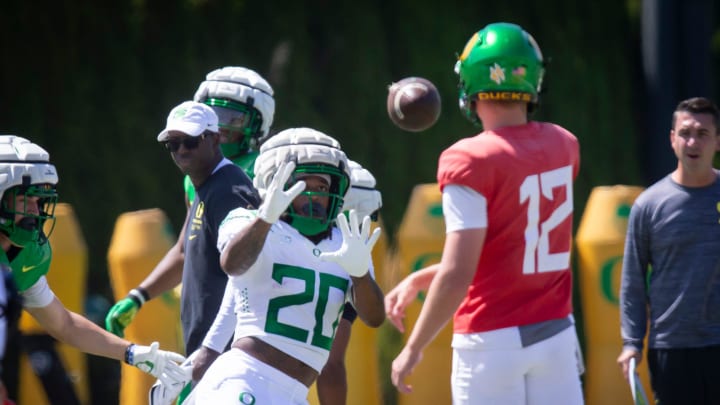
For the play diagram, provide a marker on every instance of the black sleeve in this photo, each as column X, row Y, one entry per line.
column 349, row 312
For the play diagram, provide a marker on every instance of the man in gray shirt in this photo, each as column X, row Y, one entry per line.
column 671, row 267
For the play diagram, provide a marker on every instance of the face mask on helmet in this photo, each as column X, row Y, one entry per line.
column 30, row 228
column 239, row 125
column 501, row 62
column 312, row 218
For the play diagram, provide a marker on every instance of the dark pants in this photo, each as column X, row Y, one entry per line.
column 685, row 376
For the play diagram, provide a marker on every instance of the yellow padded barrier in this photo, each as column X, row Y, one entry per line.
column 600, row 244
column 420, row 240
column 140, row 239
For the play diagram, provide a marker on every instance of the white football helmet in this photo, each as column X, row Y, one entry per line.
column 243, row 101
column 313, row 152
column 363, row 197
column 25, row 170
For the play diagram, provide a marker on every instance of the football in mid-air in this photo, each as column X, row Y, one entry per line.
column 413, row 104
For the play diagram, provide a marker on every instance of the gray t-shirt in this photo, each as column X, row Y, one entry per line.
column 671, row 268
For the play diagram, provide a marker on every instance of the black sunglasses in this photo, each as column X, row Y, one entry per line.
column 189, row 142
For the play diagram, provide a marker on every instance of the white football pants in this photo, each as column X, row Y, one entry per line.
column 493, row 368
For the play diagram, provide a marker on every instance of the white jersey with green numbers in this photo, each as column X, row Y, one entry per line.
column 289, row 298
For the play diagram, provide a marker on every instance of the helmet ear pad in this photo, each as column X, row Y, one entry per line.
column 363, row 197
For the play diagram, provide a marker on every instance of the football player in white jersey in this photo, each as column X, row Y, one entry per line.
column 292, row 271
column 365, row 199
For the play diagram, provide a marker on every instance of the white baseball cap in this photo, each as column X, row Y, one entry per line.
column 191, row 118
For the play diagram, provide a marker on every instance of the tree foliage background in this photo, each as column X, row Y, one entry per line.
column 93, row 82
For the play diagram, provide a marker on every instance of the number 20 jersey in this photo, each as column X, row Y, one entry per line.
column 526, row 173
column 289, row 298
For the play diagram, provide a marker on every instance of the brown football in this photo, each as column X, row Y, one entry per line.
column 413, row 104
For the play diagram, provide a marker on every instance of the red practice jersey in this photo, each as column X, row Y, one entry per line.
column 526, row 173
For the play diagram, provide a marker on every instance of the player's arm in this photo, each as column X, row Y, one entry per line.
column 368, row 300
column 403, row 294
column 332, row 382
column 354, row 256
column 79, row 332
column 241, row 252
column 243, row 248
column 167, row 274
column 218, row 336
column 460, row 257
column 465, row 212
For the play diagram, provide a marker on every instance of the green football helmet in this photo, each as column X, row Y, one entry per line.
column 314, row 153
column 25, row 170
column 500, row 62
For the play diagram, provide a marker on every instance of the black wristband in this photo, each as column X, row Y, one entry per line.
column 144, row 293
column 139, row 295
column 135, row 299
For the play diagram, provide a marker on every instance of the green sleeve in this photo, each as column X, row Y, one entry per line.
column 30, row 264
column 189, row 189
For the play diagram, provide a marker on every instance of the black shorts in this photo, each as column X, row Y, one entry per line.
column 685, row 376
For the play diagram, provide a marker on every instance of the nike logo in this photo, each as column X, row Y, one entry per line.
column 191, row 237
column 27, row 268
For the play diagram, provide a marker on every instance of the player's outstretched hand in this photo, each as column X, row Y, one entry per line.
column 355, row 253
column 161, row 364
column 120, row 315
column 276, row 198
column 397, row 300
column 163, row 394
column 402, row 367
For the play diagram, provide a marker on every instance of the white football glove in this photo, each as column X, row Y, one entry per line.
column 277, row 200
column 164, row 394
column 158, row 363
column 355, row 253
